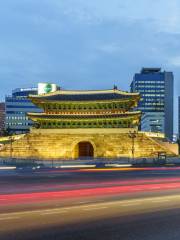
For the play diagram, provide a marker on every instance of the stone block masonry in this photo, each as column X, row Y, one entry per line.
column 64, row 144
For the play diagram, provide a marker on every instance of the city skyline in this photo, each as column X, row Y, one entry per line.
column 176, row 119
column 87, row 45
column 89, row 127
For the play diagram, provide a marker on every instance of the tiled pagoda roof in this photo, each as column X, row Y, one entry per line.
column 62, row 95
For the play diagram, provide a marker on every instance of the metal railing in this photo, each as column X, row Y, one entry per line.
column 90, row 161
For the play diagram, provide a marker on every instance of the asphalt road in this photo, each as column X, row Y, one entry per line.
column 142, row 204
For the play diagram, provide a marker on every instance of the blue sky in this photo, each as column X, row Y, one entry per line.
column 90, row 44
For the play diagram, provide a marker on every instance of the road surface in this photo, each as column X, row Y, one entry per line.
column 103, row 204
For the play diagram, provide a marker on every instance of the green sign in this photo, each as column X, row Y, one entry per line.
column 48, row 88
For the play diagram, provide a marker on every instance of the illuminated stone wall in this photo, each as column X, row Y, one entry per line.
column 62, row 143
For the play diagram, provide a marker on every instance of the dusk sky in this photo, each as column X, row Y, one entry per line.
column 86, row 44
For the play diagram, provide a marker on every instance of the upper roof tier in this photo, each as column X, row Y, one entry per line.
column 98, row 95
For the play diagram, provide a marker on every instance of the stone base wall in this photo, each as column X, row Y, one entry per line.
column 62, row 144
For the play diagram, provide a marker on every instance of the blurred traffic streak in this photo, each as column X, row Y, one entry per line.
column 110, row 165
column 154, row 215
column 43, row 199
column 88, row 192
column 130, row 169
column 77, row 166
column 118, row 165
column 7, row 168
column 40, row 187
column 93, row 169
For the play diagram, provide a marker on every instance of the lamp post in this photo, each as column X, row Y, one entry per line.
column 10, row 139
column 133, row 135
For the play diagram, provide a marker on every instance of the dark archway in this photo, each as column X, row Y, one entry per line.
column 85, row 149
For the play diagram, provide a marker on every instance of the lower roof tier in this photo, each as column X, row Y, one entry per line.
column 56, row 121
column 39, row 116
column 88, row 123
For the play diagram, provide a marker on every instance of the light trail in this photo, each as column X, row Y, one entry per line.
column 90, row 206
column 118, row 165
column 76, row 166
column 130, row 169
column 87, row 192
column 24, row 222
column 55, row 188
column 106, row 169
column 7, row 168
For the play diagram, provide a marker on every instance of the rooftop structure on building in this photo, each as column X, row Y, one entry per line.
column 150, row 70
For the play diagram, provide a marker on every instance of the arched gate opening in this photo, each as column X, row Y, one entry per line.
column 85, row 149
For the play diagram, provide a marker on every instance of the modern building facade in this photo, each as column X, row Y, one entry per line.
column 157, row 90
column 16, row 108
column 2, row 118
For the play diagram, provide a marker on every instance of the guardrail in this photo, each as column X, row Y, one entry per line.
column 95, row 161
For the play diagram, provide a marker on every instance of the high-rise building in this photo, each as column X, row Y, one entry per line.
column 157, row 90
column 2, row 118
column 16, row 108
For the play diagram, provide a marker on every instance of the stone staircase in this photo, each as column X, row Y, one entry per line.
column 147, row 146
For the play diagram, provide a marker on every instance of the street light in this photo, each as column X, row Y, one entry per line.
column 133, row 135
column 11, row 150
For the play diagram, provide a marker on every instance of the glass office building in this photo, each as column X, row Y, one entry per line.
column 156, row 104
column 2, row 118
column 16, row 108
